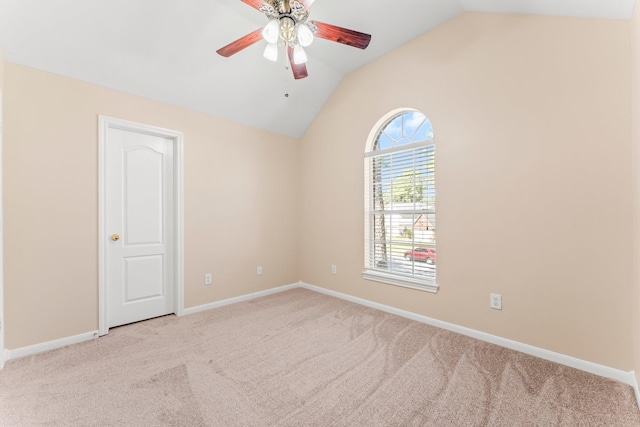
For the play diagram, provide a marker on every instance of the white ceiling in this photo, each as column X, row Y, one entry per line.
column 165, row 49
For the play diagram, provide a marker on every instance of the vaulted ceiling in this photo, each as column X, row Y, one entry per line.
column 166, row 49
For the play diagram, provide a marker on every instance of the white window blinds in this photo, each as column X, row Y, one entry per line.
column 400, row 213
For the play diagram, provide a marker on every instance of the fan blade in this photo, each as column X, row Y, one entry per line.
column 254, row 3
column 342, row 35
column 241, row 43
column 299, row 70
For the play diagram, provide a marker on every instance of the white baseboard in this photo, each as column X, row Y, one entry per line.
column 573, row 362
column 624, row 377
column 635, row 387
column 49, row 345
column 241, row 298
column 63, row 342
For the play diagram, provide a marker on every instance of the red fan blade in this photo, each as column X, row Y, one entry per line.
column 342, row 35
column 254, row 3
column 241, row 43
column 299, row 70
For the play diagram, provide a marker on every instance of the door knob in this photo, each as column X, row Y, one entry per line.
column 115, row 237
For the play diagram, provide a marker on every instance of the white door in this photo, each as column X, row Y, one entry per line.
column 139, row 226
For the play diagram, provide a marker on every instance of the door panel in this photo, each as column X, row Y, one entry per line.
column 139, row 255
column 143, row 278
column 143, row 213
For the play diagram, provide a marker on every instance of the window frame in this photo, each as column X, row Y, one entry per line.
column 370, row 272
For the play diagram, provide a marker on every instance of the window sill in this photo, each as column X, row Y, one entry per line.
column 395, row 279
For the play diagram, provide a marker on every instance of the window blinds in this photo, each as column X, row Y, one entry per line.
column 400, row 212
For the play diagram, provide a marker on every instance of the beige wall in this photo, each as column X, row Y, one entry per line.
column 635, row 146
column 2, row 301
column 1, row 70
column 239, row 203
column 532, row 122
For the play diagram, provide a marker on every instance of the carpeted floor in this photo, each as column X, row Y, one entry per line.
column 300, row 358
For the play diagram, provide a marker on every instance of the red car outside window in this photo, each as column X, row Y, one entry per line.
column 427, row 255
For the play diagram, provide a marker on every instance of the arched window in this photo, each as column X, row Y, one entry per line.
column 400, row 201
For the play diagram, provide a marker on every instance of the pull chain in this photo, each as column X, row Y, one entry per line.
column 287, row 72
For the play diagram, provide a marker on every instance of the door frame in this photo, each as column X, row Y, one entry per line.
column 105, row 123
column 3, row 351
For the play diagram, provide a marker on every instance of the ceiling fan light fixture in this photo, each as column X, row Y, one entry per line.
column 305, row 36
column 271, row 52
column 287, row 29
column 290, row 27
column 299, row 55
column 271, row 31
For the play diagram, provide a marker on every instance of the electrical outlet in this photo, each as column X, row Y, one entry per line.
column 207, row 279
column 334, row 269
column 259, row 272
column 495, row 301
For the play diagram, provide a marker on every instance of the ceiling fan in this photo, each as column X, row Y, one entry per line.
column 289, row 27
